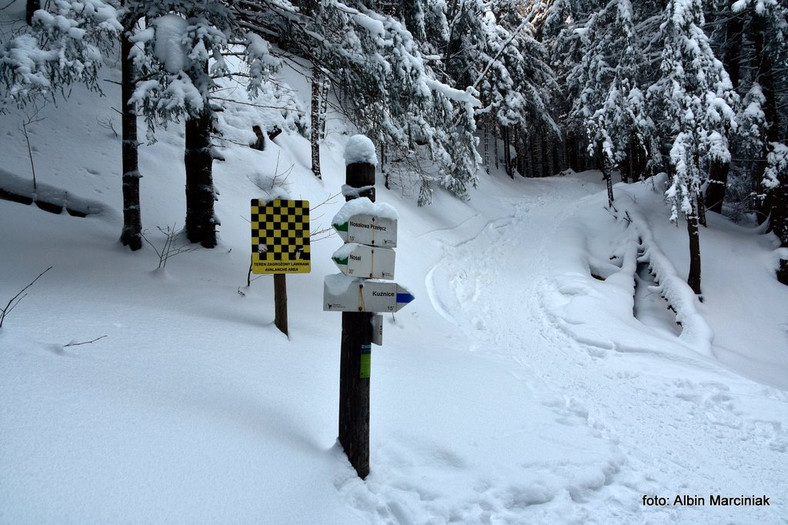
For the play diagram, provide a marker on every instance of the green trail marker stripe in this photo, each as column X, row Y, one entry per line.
column 366, row 361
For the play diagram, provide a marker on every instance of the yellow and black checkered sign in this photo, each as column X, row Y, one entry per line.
column 280, row 236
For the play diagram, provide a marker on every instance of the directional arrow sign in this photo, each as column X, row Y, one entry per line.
column 342, row 293
column 360, row 260
column 368, row 229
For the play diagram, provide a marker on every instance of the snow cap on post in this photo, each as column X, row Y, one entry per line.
column 364, row 206
column 360, row 150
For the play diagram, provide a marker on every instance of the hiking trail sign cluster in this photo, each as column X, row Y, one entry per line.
column 360, row 291
column 366, row 261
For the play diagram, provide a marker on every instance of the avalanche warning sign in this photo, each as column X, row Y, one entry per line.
column 280, row 236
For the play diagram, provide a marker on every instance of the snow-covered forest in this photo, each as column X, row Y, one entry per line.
column 593, row 208
column 690, row 88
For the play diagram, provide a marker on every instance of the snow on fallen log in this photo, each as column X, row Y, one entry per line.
column 695, row 330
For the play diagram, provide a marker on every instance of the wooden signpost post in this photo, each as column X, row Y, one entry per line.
column 370, row 231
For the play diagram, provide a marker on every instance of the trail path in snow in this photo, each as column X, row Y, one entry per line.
column 682, row 424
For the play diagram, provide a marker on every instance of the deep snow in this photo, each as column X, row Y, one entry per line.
column 529, row 382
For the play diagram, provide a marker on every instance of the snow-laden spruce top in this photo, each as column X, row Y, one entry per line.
column 364, row 206
column 359, row 149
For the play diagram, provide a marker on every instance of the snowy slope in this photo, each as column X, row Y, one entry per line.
column 529, row 382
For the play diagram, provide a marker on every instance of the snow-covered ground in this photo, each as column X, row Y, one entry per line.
column 530, row 381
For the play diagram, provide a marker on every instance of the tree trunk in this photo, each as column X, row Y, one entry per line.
column 701, row 211
column 131, row 235
column 731, row 58
column 764, row 67
column 537, row 156
column 317, row 120
column 571, row 151
column 486, row 142
column 32, row 7
column 782, row 271
column 632, row 160
column 507, row 157
column 528, row 163
column 496, row 153
column 280, row 302
column 779, row 222
column 547, row 153
column 201, row 221
column 693, row 279
column 522, row 153
column 384, row 167
column 605, row 167
column 625, row 167
column 718, row 181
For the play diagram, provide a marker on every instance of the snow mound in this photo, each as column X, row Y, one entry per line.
column 596, row 284
column 360, row 149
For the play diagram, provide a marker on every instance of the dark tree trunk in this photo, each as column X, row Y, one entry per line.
column 764, row 66
column 317, row 120
column 280, row 302
column 631, row 171
column 701, row 211
column 201, row 221
column 605, row 167
column 486, row 142
column 496, row 153
column 571, row 154
column 633, row 157
column 779, row 222
column 693, row 279
column 547, row 154
column 529, row 156
column 384, row 167
column 782, row 272
column 634, row 164
column 731, row 58
column 32, row 7
column 507, row 153
column 131, row 235
column 538, row 155
column 522, row 153
column 625, row 167
column 718, row 182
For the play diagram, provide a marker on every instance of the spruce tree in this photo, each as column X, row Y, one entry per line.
column 693, row 103
column 172, row 53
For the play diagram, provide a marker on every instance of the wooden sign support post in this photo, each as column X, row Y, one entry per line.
column 280, row 302
column 354, row 367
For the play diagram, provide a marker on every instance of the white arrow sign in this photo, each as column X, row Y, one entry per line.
column 342, row 293
column 368, row 229
column 360, row 260
column 366, row 222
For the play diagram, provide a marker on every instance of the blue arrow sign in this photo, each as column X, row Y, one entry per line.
column 404, row 298
column 342, row 293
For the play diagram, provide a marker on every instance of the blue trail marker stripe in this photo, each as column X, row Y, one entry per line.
column 404, row 298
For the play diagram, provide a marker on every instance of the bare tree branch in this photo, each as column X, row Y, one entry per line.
column 73, row 343
column 18, row 297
